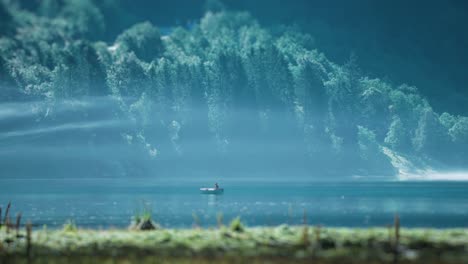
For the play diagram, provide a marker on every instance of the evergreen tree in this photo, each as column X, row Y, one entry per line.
column 143, row 39
column 397, row 137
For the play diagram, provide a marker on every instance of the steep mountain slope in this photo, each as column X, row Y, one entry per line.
column 226, row 96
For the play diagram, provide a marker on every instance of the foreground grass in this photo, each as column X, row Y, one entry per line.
column 256, row 245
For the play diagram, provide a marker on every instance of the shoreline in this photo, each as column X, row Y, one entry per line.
column 237, row 244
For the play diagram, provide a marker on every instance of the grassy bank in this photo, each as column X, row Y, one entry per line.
column 236, row 245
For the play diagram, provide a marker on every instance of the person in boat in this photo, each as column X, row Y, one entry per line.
column 216, row 186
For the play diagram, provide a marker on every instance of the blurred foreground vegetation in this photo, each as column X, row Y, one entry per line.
column 229, row 245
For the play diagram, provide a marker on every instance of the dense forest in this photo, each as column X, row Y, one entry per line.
column 223, row 94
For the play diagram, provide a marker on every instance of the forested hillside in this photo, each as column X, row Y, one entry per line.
column 223, row 95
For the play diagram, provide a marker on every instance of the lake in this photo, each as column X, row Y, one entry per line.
column 111, row 203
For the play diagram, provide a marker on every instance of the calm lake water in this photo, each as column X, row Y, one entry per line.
column 105, row 203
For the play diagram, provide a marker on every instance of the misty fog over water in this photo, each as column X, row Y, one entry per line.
column 77, row 133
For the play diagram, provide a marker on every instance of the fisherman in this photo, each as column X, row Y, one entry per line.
column 216, row 186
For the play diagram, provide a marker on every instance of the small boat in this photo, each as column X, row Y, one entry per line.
column 211, row 190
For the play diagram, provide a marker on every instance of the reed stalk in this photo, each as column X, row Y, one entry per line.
column 18, row 222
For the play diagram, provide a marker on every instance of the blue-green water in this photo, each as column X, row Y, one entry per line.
column 105, row 203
